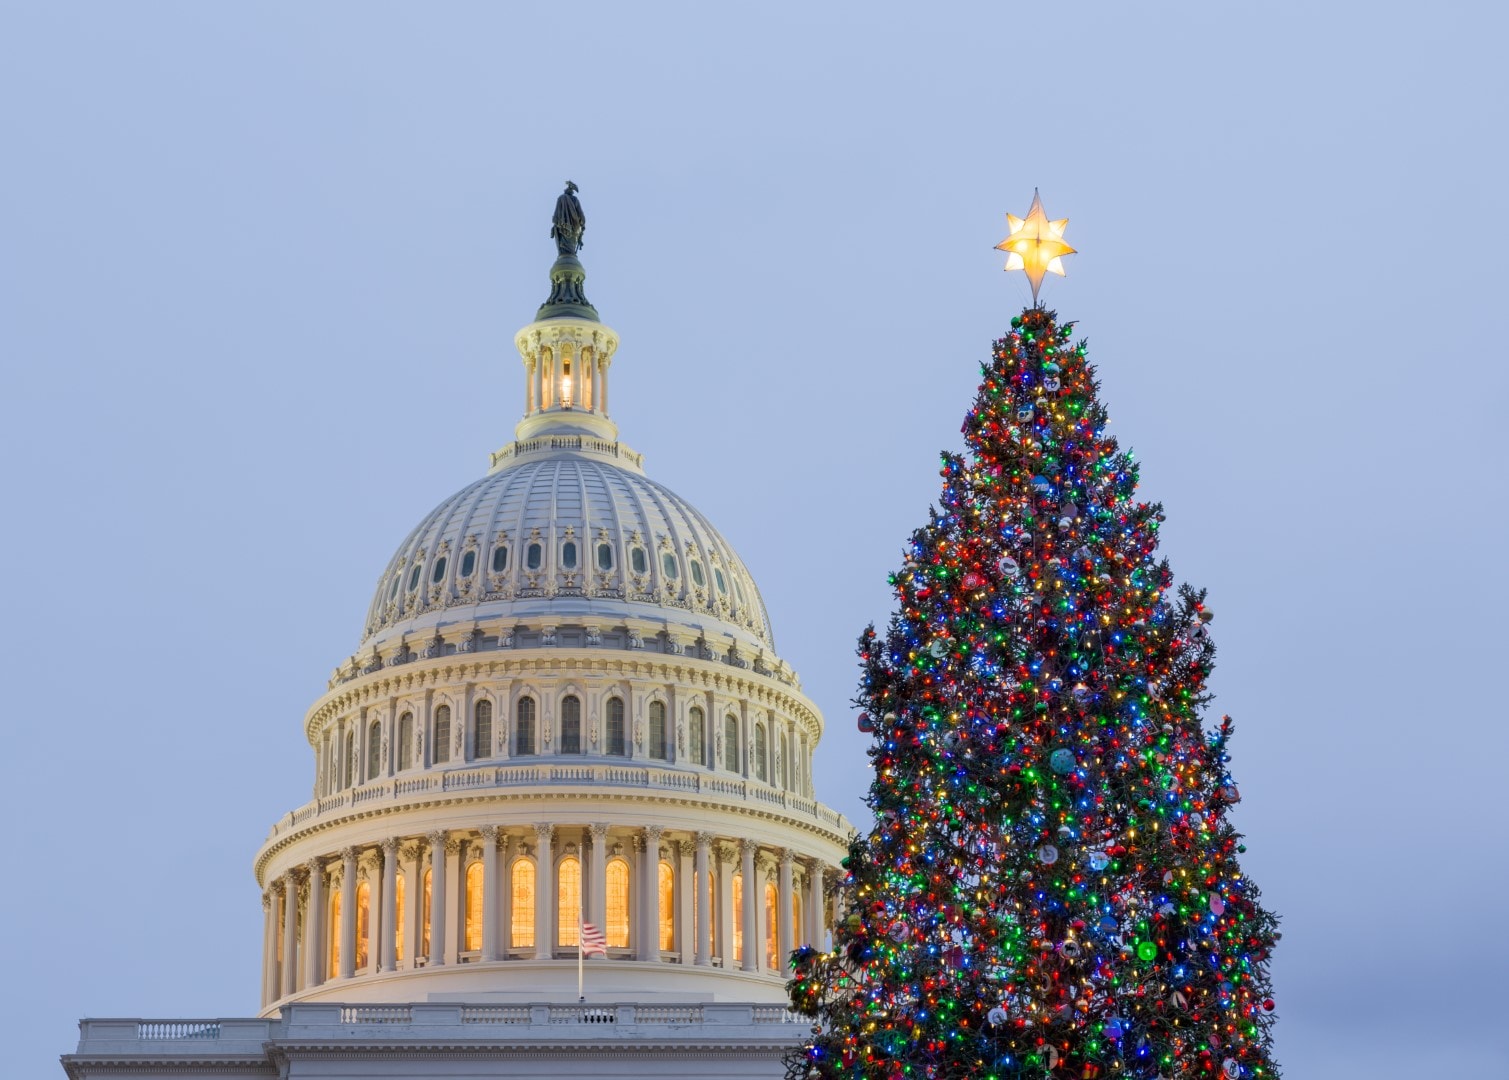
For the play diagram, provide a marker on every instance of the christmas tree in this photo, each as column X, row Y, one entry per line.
column 1051, row 887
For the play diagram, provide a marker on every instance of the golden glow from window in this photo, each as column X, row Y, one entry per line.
column 667, row 907
column 424, row 914
column 568, row 900
column 712, row 914
column 772, row 927
column 618, row 904
column 473, row 908
column 521, row 911
column 333, row 932
column 363, row 924
column 738, row 918
column 398, row 913
column 796, row 918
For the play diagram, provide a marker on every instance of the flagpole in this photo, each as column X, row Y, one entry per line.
column 580, row 997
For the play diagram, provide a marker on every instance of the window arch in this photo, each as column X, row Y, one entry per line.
column 473, row 909
column 667, row 907
column 482, row 729
column 731, row 743
column 363, row 923
column 615, row 727
column 617, row 895
column 568, row 901
column 333, row 950
column 398, row 913
column 442, row 741
column 424, row 913
column 696, row 744
column 523, row 727
column 571, row 724
column 761, row 754
column 657, row 731
column 406, row 741
column 521, row 905
column 738, row 919
column 772, row 928
column 374, row 749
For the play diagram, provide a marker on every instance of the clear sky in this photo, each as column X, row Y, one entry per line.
column 260, row 270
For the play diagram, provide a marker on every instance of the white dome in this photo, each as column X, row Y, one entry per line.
column 568, row 531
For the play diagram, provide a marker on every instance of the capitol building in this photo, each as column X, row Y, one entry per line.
column 565, row 708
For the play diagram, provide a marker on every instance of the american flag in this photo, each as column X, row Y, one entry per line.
column 594, row 941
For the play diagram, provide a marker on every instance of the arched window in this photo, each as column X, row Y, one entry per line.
column 605, row 557
column 568, row 555
column 363, row 923
column 615, row 727
column 571, row 724
column 617, row 895
column 398, row 914
column 414, row 577
column 438, row 574
column 772, row 928
column 698, row 578
column 333, row 950
column 424, row 914
column 668, row 563
column 523, row 727
column 638, row 561
column 347, row 756
column 533, row 556
column 738, row 920
column 731, row 743
column 374, row 749
column 761, row 755
column 696, row 747
column 406, row 741
column 442, row 740
column 521, row 906
column 568, row 901
column 667, row 907
column 500, row 558
column 482, row 730
column 473, row 923
column 718, row 577
column 657, row 730
column 468, row 563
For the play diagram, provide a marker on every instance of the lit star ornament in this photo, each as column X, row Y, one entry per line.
column 1036, row 245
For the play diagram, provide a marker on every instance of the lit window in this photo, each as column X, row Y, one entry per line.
column 438, row 574
column 363, row 924
column 482, row 730
column 568, row 555
column 473, row 922
column 761, row 754
column 668, row 560
column 638, row 562
column 398, row 912
column 571, row 725
column 500, row 558
column 738, row 891
column 667, row 907
column 712, row 907
column 618, row 904
column 772, row 927
column 657, row 730
column 406, row 741
column 695, row 735
column 442, row 742
column 468, row 563
column 424, row 914
column 718, row 577
column 568, row 902
column 533, row 556
column 731, row 743
column 521, row 914
column 524, row 727
column 605, row 556
column 374, row 749
column 333, row 957
column 796, row 917
column 615, row 732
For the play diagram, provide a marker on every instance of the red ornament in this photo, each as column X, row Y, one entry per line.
column 1267, row 1004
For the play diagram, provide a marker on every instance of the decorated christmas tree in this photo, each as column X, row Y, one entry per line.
column 1051, row 888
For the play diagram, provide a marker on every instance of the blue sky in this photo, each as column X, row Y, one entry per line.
column 260, row 270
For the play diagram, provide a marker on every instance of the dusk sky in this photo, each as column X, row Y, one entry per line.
column 261, row 266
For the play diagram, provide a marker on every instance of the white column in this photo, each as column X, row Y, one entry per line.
column 505, row 896
column 589, row 380
column 413, row 915
column 649, row 893
column 681, row 859
column 348, row 912
column 703, row 949
column 602, row 384
column 375, row 906
column 815, row 921
column 544, row 893
column 555, row 376
column 597, row 882
column 269, row 945
column 290, row 934
column 528, row 387
column 723, row 942
column 314, row 924
column 750, row 914
column 783, row 909
column 387, row 926
column 490, row 892
column 438, row 863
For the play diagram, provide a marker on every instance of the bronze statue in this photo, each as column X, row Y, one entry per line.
column 568, row 224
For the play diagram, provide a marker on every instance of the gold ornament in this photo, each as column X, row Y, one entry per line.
column 1035, row 245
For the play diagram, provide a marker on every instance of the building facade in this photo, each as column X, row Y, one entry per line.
column 566, row 708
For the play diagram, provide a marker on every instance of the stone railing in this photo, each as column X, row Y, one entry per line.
column 563, row 774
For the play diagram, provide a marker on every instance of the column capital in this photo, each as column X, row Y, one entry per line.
column 725, row 852
column 788, row 858
column 436, row 840
column 748, row 848
column 489, row 835
column 389, row 847
column 653, row 833
column 544, row 831
column 315, row 867
column 599, row 831
column 266, row 900
column 412, row 852
column 350, row 854
column 704, row 839
column 453, row 847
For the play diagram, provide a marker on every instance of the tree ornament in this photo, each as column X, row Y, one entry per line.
column 1047, row 854
column 1062, row 761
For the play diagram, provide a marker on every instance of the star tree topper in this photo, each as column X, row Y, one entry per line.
column 1035, row 245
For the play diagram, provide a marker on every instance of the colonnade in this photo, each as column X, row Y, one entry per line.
column 462, row 897
column 548, row 386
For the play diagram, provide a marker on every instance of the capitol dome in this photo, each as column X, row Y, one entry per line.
column 565, row 724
